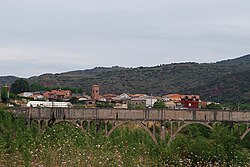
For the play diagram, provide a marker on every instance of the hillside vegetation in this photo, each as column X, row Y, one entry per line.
column 225, row 81
column 7, row 80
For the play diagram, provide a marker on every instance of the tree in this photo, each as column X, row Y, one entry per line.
column 5, row 93
column 104, row 105
column 214, row 106
column 36, row 87
column 159, row 104
column 20, row 85
column 73, row 100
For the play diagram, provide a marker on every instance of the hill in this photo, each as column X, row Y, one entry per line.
column 225, row 81
column 241, row 60
column 7, row 80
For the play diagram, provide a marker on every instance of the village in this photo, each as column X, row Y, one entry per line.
column 65, row 98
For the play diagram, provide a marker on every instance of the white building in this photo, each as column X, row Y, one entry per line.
column 48, row 104
column 150, row 101
column 122, row 97
column 26, row 94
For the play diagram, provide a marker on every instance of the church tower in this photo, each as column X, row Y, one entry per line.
column 95, row 92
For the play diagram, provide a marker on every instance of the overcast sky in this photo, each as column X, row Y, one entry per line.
column 48, row 36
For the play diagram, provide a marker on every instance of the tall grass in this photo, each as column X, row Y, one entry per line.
column 66, row 145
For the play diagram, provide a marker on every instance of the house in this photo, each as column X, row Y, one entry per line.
column 143, row 101
column 190, row 101
column 90, row 103
column 170, row 104
column 137, row 103
column 172, row 101
column 121, row 105
column 49, row 95
column 172, row 97
column 150, row 101
column 26, row 94
column 37, row 97
column 58, row 95
column 109, row 97
column 178, row 101
column 137, row 95
column 122, row 97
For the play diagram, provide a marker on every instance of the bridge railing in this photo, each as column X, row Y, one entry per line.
column 134, row 114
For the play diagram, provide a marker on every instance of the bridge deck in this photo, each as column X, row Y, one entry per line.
column 136, row 115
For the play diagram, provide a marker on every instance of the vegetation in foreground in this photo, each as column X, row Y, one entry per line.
column 67, row 145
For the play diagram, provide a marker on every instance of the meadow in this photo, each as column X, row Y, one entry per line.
column 66, row 145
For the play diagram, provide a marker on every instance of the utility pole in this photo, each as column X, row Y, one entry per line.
column 151, row 101
column 238, row 105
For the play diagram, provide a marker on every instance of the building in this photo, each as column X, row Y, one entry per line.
column 137, row 103
column 37, row 97
column 143, row 101
column 170, row 104
column 190, row 101
column 26, row 94
column 109, row 97
column 137, row 95
column 58, row 95
column 123, row 105
column 150, row 101
column 48, row 104
column 172, row 97
column 90, row 103
column 178, row 101
column 95, row 92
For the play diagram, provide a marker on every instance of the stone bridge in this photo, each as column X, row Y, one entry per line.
column 153, row 121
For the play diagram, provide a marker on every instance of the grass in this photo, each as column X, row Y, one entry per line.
column 66, row 145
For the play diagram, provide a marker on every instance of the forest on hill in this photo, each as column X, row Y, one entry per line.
column 224, row 81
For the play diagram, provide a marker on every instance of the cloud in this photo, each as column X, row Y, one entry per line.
column 60, row 35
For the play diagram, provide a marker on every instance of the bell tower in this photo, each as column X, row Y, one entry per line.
column 95, row 92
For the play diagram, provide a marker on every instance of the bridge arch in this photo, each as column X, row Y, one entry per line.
column 187, row 124
column 244, row 134
column 138, row 123
column 43, row 124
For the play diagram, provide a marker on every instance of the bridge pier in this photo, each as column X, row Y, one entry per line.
column 106, row 127
column 163, row 132
column 154, row 128
column 97, row 126
column 171, row 129
column 89, row 125
column 43, row 124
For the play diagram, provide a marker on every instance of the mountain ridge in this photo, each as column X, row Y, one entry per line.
column 217, row 81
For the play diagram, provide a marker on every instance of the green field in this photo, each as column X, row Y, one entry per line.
column 66, row 145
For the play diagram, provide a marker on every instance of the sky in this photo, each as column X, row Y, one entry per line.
column 51, row 36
